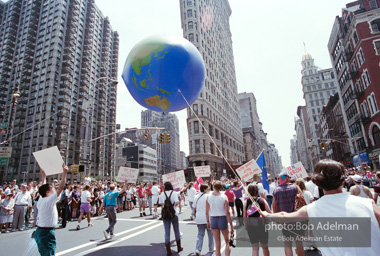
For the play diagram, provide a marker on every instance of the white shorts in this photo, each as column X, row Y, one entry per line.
column 6, row 219
column 155, row 200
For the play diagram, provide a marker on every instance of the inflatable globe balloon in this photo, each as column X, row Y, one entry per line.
column 161, row 68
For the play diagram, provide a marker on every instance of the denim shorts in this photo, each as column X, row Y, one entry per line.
column 219, row 222
column 119, row 200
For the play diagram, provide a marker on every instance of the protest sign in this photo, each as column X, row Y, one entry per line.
column 127, row 174
column 176, row 178
column 247, row 170
column 49, row 160
column 296, row 171
column 202, row 171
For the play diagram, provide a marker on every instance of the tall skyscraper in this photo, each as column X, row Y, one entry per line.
column 318, row 86
column 62, row 54
column 206, row 25
column 302, row 129
column 169, row 153
column 250, row 123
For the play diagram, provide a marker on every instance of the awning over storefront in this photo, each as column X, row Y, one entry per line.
column 364, row 159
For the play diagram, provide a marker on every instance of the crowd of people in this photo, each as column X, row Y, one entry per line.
column 213, row 204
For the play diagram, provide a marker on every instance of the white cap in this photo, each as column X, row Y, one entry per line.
column 357, row 178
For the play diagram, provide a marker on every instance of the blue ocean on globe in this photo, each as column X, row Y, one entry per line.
column 158, row 67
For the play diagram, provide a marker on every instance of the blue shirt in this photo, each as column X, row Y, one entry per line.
column 110, row 198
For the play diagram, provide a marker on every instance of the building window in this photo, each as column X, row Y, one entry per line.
column 191, row 37
column 376, row 135
column 358, row 86
column 188, row 2
column 375, row 26
column 377, row 47
column 195, row 108
column 189, row 13
column 360, row 57
column 196, row 127
column 356, row 38
column 373, row 4
column 197, row 147
column 373, row 102
column 190, row 25
column 366, row 79
column 364, row 109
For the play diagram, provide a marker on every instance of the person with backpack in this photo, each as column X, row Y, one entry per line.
column 169, row 201
column 256, row 228
column 201, row 221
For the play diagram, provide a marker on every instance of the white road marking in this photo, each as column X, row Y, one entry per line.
column 118, row 241
column 94, row 242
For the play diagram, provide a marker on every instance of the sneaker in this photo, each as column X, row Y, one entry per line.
column 78, row 227
column 90, row 224
column 111, row 236
column 144, row 213
column 198, row 253
column 141, row 215
column 191, row 217
column 180, row 235
column 106, row 235
column 21, row 229
column 13, row 230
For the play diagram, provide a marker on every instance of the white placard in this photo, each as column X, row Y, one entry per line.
column 176, row 178
column 202, row 171
column 127, row 174
column 49, row 160
column 296, row 171
column 247, row 170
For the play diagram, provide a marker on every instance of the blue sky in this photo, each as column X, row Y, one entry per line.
column 268, row 46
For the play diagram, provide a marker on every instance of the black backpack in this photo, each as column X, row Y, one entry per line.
column 168, row 211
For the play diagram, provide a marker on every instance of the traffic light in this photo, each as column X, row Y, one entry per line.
column 323, row 145
column 162, row 138
column 167, row 138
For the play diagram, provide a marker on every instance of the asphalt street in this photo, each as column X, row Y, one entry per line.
column 134, row 236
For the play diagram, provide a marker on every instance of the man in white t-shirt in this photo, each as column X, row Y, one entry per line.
column 256, row 180
column 155, row 195
column 310, row 185
column 48, row 214
column 86, row 180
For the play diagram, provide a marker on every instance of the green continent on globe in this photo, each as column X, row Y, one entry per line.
column 143, row 58
column 163, row 103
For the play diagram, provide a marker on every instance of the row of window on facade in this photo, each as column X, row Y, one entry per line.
column 319, row 86
column 218, row 135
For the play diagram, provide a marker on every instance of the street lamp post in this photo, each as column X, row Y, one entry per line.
column 15, row 95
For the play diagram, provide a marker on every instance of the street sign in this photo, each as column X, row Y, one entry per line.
column 5, row 152
column 3, row 162
column 3, row 125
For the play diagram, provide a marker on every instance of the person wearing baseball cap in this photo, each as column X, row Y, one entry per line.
column 284, row 199
column 283, row 178
column 359, row 189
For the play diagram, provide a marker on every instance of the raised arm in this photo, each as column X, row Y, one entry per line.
column 63, row 180
column 43, row 177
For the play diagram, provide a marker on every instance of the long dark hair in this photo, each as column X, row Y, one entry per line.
column 168, row 186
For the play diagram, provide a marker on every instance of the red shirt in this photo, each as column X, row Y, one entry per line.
column 149, row 190
column 230, row 195
column 141, row 192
